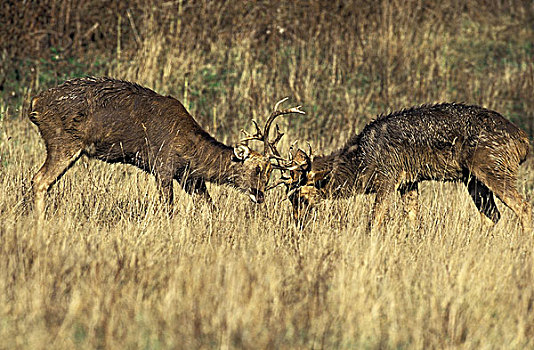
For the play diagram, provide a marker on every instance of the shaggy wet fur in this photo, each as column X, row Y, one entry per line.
column 119, row 121
column 443, row 142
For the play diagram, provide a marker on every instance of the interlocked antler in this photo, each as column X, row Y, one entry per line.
column 298, row 160
column 268, row 146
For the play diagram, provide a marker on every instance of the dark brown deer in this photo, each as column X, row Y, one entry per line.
column 119, row 121
column 443, row 142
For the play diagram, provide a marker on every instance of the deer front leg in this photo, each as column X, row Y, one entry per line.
column 197, row 188
column 410, row 198
column 380, row 207
column 167, row 193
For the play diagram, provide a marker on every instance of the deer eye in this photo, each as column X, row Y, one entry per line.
column 258, row 170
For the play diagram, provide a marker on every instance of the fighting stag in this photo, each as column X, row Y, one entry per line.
column 121, row 122
column 442, row 142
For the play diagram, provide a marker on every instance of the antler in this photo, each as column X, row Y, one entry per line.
column 264, row 135
column 290, row 163
column 302, row 164
column 283, row 180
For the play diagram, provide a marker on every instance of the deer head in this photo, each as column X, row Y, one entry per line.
column 304, row 186
column 258, row 167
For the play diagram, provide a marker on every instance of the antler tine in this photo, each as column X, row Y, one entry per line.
column 264, row 135
column 289, row 163
column 276, row 113
column 277, row 138
column 310, row 148
column 278, row 135
column 258, row 130
column 282, row 181
column 279, row 103
column 249, row 137
column 296, row 109
column 283, row 163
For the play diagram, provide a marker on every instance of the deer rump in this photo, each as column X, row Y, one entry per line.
column 443, row 142
column 113, row 121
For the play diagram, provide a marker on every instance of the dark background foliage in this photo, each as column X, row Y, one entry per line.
column 345, row 61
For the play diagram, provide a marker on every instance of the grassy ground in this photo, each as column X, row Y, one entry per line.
column 108, row 269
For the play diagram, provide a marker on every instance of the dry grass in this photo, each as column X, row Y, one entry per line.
column 108, row 269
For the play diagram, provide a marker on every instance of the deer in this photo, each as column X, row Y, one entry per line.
column 397, row 151
column 119, row 121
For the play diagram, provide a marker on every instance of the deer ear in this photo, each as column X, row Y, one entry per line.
column 301, row 161
column 241, row 152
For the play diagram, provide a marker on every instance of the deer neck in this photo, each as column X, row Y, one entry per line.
column 212, row 161
column 343, row 172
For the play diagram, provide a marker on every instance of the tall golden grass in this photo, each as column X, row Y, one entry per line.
column 108, row 269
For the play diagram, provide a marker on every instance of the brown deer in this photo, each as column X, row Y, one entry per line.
column 443, row 142
column 119, row 121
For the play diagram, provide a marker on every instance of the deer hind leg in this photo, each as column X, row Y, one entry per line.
column 166, row 192
column 503, row 185
column 58, row 161
column 483, row 198
column 410, row 198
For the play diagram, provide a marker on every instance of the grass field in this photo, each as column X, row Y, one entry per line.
column 108, row 269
